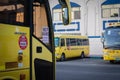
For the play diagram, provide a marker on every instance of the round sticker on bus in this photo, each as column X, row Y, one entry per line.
column 23, row 42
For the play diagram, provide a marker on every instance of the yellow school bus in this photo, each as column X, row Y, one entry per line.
column 69, row 46
column 27, row 39
column 111, row 42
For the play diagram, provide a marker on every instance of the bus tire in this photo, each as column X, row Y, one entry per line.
column 63, row 57
column 82, row 55
column 112, row 61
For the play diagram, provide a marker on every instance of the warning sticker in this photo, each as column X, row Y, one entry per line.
column 23, row 42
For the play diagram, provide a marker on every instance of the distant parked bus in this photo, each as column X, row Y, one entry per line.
column 111, row 42
column 69, row 46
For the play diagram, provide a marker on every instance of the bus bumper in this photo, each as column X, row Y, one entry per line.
column 106, row 57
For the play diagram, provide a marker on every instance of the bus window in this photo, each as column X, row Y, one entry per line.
column 85, row 42
column 67, row 41
column 56, row 40
column 12, row 13
column 79, row 42
column 73, row 42
column 62, row 42
column 41, row 28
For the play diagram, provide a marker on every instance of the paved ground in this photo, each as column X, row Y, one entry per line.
column 87, row 69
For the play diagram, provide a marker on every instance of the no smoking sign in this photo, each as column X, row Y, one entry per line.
column 23, row 42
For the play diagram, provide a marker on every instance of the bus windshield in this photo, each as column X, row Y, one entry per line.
column 112, row 38
column 56, row 40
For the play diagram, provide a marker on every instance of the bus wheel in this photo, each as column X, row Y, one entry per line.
column 82, row 55
column 63, row 57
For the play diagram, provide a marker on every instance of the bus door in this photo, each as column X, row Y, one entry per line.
column 43, row 50
column 43, row 60
column 68, row 48
column 42, row 39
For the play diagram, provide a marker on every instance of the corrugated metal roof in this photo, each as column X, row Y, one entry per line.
column 107, row 2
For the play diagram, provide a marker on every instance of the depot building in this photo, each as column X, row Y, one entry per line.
column 89, row 17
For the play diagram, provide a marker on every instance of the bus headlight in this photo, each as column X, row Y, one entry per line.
column 105, row 53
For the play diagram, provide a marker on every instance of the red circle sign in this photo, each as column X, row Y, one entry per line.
column 23, row 42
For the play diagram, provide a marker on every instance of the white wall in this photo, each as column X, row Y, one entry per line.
column 90, row 23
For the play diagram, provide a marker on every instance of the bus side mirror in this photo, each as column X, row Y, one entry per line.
column 66, row 11
column 102, row 38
